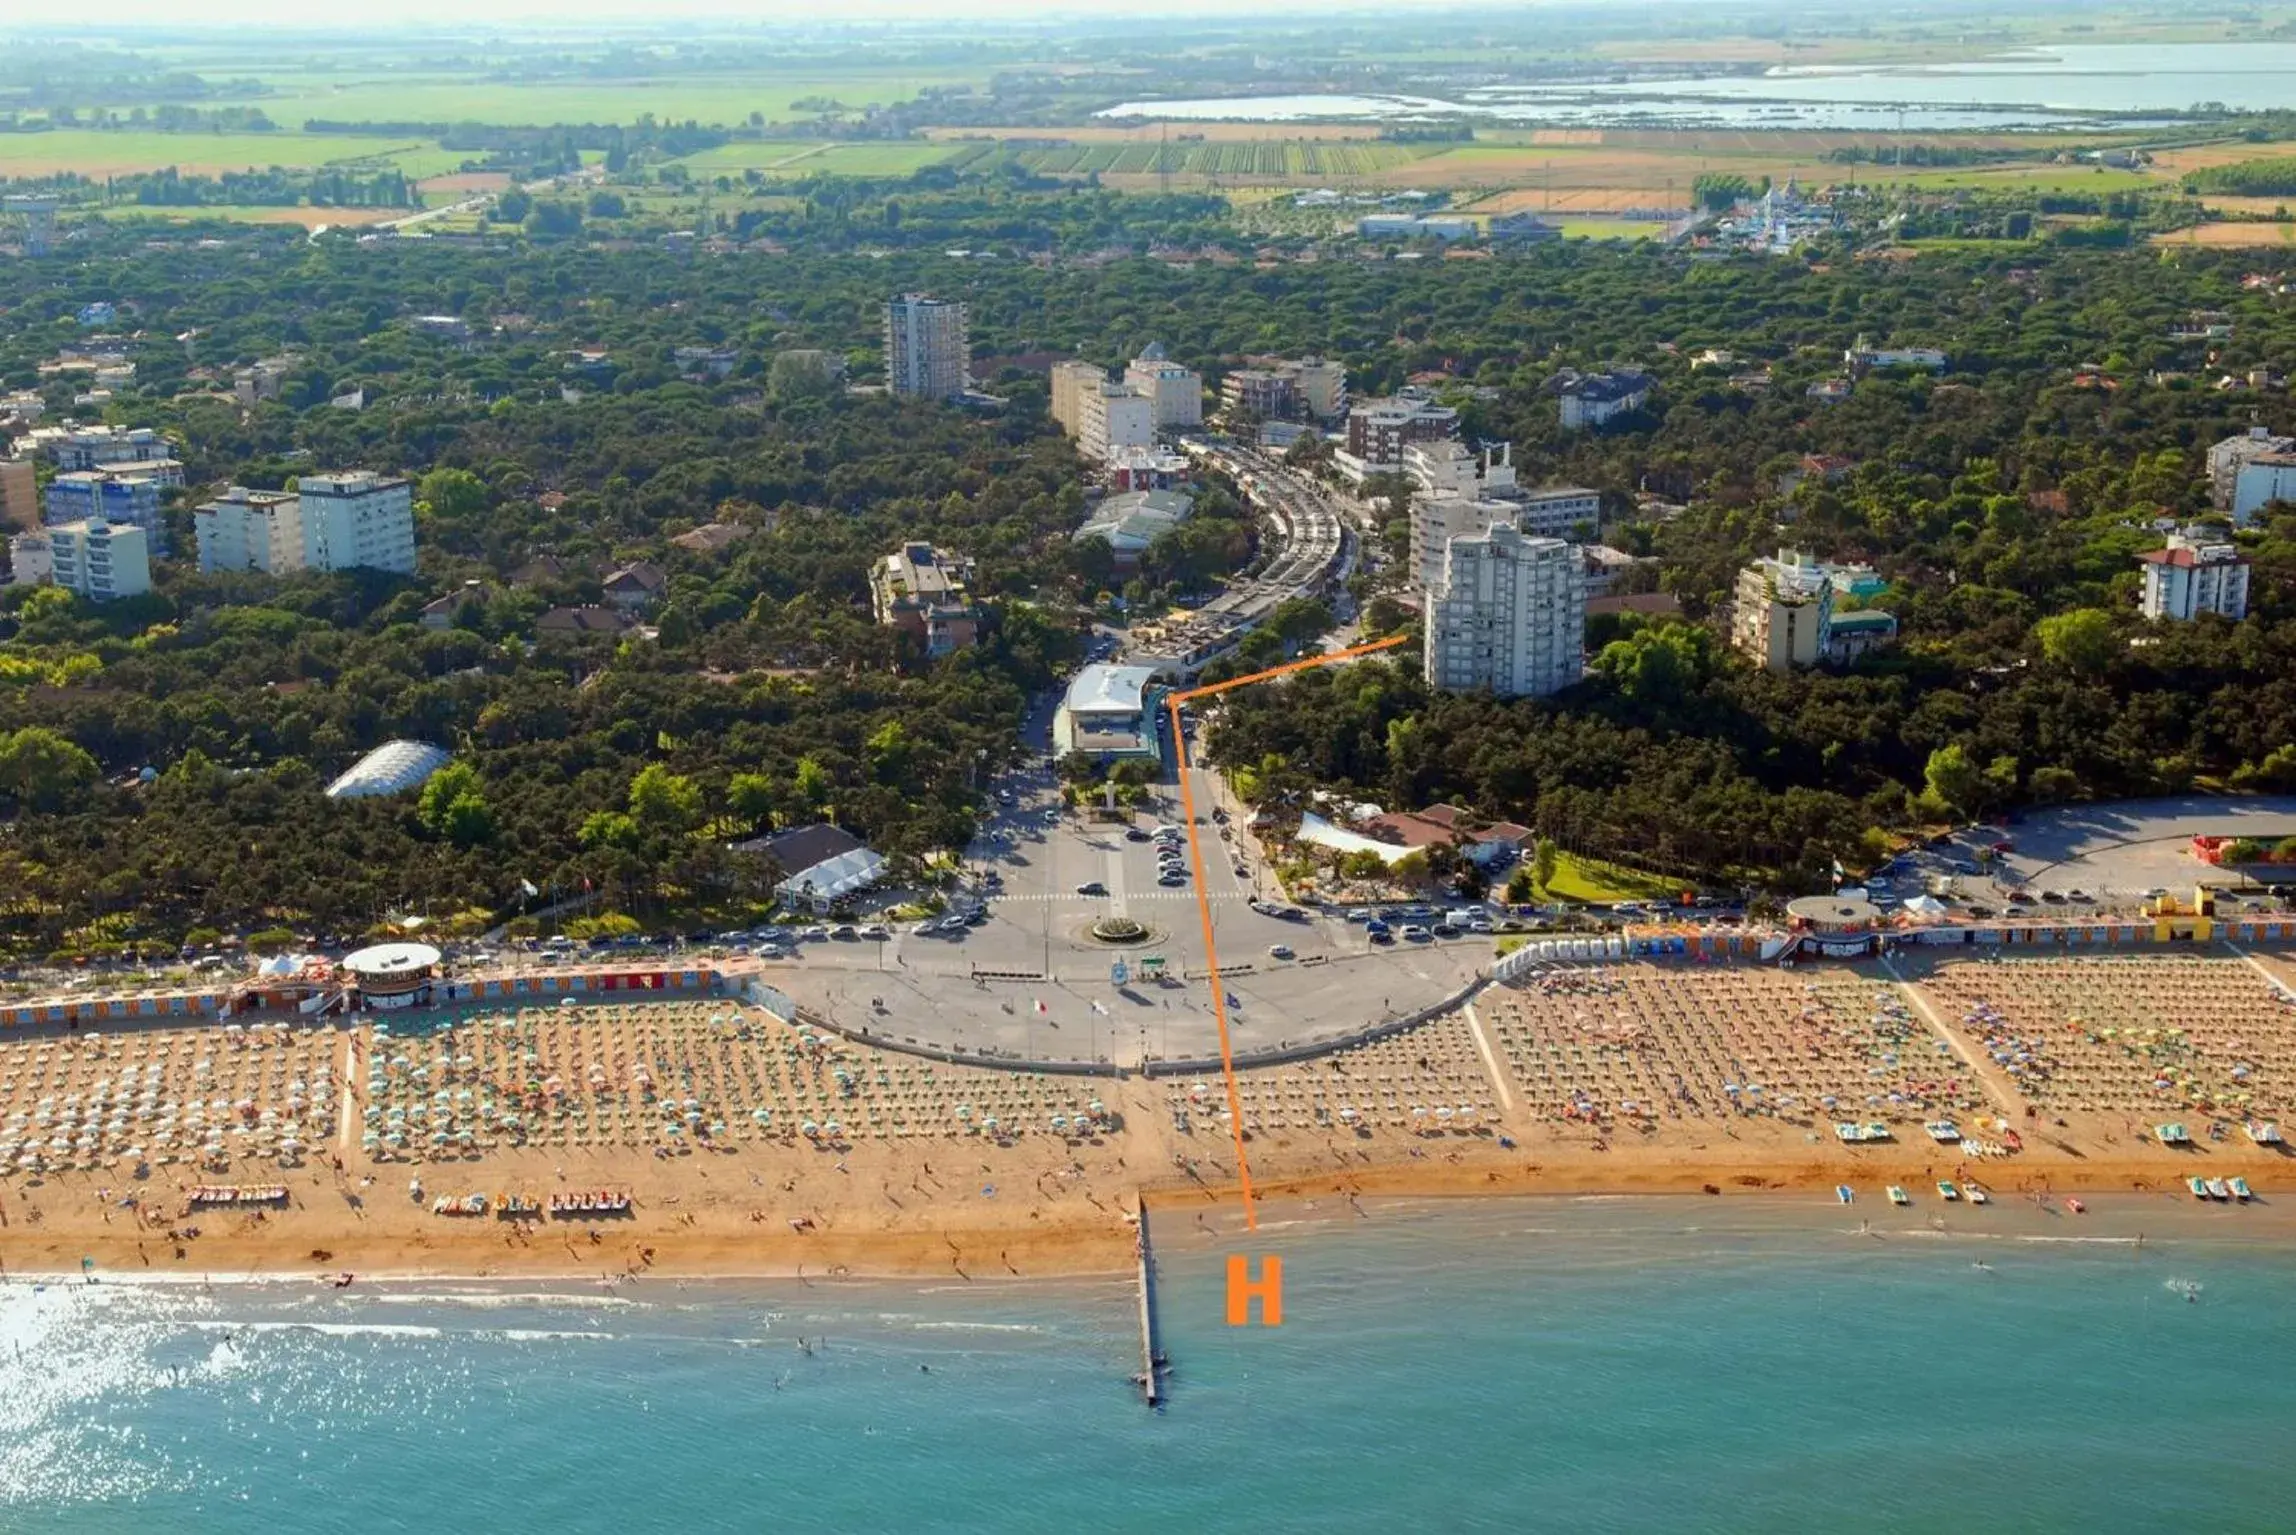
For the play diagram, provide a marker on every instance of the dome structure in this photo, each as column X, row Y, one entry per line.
column 391, row 768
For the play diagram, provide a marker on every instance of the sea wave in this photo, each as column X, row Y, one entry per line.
column 489, row 1300
column 325, row 1329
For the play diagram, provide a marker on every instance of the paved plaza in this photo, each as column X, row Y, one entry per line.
column 1032, row 982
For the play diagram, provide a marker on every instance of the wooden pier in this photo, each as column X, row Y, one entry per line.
column 1153, row 1365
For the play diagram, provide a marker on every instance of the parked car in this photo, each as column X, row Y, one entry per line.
column 1417, row 933
column 845, row 932
column 1172, row 877
column 876, row 930
column 1378, row 932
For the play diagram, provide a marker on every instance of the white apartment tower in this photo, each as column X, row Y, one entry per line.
column 100, row 560
column 928, row 350
column 1177, row 392
column 1507, row 614
column 2191, row 577
column 357, row 519
column 246, row 529
column 1112, row 416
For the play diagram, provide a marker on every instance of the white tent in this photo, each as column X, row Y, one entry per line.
column 832, row 879
column 1315, row 829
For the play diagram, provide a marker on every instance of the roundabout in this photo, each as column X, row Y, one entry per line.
column 1119, row 930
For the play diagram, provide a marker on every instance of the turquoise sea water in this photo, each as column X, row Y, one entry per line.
column 1531, row 1364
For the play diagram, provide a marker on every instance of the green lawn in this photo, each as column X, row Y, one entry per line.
column 1596, row 881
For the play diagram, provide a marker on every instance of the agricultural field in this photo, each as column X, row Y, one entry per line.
column 1610, row 229
column 308, row 218
column 1150, row 133
column 815, row 157
column 713, row 100
column 2221, row 235
column 2098, row 180
column 95, row 154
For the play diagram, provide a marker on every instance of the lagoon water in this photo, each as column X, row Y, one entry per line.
column 1709, row 1365
column 2032, row 88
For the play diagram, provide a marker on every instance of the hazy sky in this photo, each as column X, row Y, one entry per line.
column 303, row 15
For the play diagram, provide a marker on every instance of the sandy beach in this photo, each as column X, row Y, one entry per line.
column 748, row 1146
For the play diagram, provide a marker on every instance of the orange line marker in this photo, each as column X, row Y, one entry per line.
column 1172, row 704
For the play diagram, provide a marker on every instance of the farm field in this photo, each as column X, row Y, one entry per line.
column 309, row 218
column 814, row 157
column 2101, row 180
column 708, row 99
column 2225, row 235
column 1610, row 229
column 1307, row 161
column 1150, row 133
column 98, row 154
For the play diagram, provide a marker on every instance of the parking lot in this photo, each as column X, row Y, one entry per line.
column 1028, row 978
column 2106, row 859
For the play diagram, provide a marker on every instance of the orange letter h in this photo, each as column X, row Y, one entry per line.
column 1268, row 1290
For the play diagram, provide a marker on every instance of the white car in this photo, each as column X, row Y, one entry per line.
column 877, row 930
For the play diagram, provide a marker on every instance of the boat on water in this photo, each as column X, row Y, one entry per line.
column 1947, row 1191
column 2217, row 1190
column 2240, row 1189
column 1844, row 1193
column 2198, row 1185
column 1898, row 1196
column 1978, row 1196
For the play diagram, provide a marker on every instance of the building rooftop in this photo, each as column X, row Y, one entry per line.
column 1105, row 689
column 391, row 768
column 2190, row 556
column 1616, row 385
column 801, row 847
column 347, row 482
column 587, row 620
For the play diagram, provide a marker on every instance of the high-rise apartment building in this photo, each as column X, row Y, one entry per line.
column 246, row 529
column 928, row 348
column 1781, row 611
column 1113, row 416
column 1177, row 392
column 357, row 519
column 126, row 492
column 1506, row 614
column 100, row 560
column 19, row 494
column 2193, row 576
column 1071, row 377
